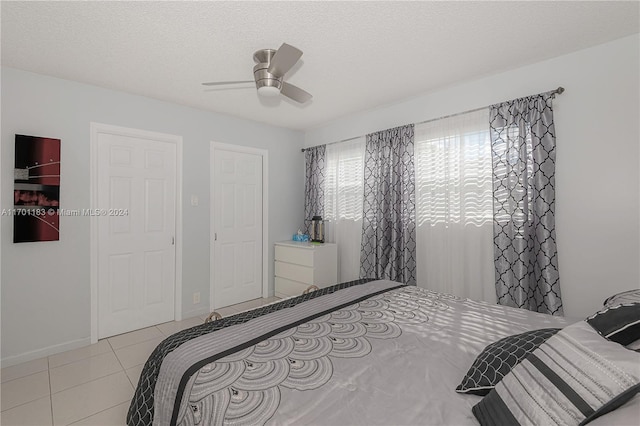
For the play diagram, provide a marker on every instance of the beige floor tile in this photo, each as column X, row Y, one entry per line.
column 169, row 328
column 83, row 371
column 250, row 304
column 134, row 374
column 25, row 389
column 115, row 416
column 35, row 413
column 269, row 300
column 91, row 398
column 24, row 369
column 77, row 354
column 227, row 311
column 134, row 337
column 137, row 354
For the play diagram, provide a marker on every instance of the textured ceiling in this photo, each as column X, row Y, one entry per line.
column 357, row 55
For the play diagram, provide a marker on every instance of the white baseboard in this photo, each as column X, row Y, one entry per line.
column 40, row 353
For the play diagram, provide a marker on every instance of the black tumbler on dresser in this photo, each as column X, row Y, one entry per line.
column 317, row 229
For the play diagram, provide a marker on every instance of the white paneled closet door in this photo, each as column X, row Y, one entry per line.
column 136, row 233
column 237, row 209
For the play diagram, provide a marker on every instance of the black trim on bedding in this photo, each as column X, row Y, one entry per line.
column 141, row 409
column 197, row 366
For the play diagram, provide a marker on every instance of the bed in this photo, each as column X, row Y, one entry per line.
column 360, row 353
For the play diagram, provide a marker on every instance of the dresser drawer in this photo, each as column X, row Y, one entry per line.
column 294, row 255
column 293, row 272
column 286, row 288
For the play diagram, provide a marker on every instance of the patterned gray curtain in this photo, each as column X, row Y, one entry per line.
column 314, row 184
column 388, row 247
column 523, row 147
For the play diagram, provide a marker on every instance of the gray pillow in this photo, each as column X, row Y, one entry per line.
column 630, row 296
column 572, row 378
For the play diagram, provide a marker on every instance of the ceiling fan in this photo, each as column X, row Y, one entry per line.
column 269, row 73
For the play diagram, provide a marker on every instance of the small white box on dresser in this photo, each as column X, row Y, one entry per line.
column 299, row 265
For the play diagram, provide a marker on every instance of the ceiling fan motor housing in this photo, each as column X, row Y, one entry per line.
column 268, row 74
column 260, row 72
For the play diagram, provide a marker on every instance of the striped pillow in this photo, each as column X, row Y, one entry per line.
column 618, row 323
column 571, row 379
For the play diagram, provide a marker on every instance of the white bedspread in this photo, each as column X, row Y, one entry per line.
column 410, row 380
column 368, row 354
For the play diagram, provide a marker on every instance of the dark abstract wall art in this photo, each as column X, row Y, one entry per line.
column 36, row 189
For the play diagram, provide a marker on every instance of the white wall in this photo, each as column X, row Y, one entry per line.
column 598, row 139
column 45, row 286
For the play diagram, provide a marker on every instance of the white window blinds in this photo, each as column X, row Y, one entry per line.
column 454, row 206
column 344, row 180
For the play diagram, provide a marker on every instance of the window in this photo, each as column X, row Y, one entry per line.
column 344, row 181
column 343, row 199
column 454, row 206
column 453, row 171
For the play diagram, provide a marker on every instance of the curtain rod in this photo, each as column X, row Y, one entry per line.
column 555, row 92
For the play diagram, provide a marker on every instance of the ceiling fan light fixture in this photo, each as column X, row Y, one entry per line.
column 269, row 71
column 268, row 91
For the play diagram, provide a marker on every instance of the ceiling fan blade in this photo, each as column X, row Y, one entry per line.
column 218, row 83
column 284, row 59
column 295, row 93
column 226, row 89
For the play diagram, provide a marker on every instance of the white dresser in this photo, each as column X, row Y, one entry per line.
column 299, row 265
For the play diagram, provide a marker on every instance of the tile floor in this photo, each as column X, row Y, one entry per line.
column 92, row 385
